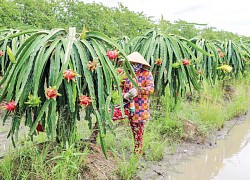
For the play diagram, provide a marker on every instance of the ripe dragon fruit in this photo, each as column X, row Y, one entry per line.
column 112, row 54
column 85, row 101
column 10, row 106
column 185, row 62
column 39, row 127
column 51, row 93
column 222, row 55
column 120, row 70
column 70, row 75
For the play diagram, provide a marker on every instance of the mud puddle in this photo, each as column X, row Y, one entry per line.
column 228, row 158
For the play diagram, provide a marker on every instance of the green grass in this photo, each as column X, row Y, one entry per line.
column 49, row 162
column 120, row 139
column 210, row 110
column 127, row 167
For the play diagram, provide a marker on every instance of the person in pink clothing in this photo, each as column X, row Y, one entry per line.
column 138, row 99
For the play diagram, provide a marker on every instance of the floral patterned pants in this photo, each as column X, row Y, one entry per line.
column 138, row 131
column 136, row 127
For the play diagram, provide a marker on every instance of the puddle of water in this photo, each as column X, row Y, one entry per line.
column 230, row 160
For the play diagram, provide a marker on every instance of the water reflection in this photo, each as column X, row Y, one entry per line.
column 229, row 160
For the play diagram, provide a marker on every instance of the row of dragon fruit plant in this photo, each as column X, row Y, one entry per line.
column 180, row 63
column 47, row 75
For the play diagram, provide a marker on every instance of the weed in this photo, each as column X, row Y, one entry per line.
column 31, row 162
column 127, row 168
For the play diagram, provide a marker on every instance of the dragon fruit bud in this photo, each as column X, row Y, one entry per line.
column 92, row 65
column 158, row 61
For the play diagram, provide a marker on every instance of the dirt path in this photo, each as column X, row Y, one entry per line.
column 159, row 170
column 6, row 144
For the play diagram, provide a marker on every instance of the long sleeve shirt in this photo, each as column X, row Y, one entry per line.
column 145, row 82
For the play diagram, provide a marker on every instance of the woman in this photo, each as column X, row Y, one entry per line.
column 138, row 98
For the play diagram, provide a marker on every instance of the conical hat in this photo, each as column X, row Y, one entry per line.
column 137, row 58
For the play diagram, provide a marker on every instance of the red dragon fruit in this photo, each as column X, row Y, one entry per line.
column 185, row 62
column 222, row 55
column 39, row 127
column 10, row 106
column 70, row 75
column 51, row 93
column 85, row 101
column 112, row 54
column 120, row 70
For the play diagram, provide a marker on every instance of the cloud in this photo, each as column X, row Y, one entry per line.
column 189, row 9
column 222, row 14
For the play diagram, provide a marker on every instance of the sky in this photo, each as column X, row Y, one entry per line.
column 228, row 15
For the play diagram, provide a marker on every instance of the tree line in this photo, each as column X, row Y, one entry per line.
column 116, row 21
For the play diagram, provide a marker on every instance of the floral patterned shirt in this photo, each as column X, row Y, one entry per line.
column 145, row 82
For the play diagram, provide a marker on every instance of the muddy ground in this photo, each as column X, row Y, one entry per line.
column 184, row 150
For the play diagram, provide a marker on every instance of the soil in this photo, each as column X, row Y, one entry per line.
column 98, row 167
column 185, row 149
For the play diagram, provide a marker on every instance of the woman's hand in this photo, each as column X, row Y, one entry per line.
column 131, row 94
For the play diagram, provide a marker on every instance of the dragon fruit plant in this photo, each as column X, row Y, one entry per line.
column 52, row 76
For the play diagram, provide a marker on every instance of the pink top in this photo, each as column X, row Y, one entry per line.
column 145, row 82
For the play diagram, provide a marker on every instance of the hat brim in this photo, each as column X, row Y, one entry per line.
column 136, row 57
